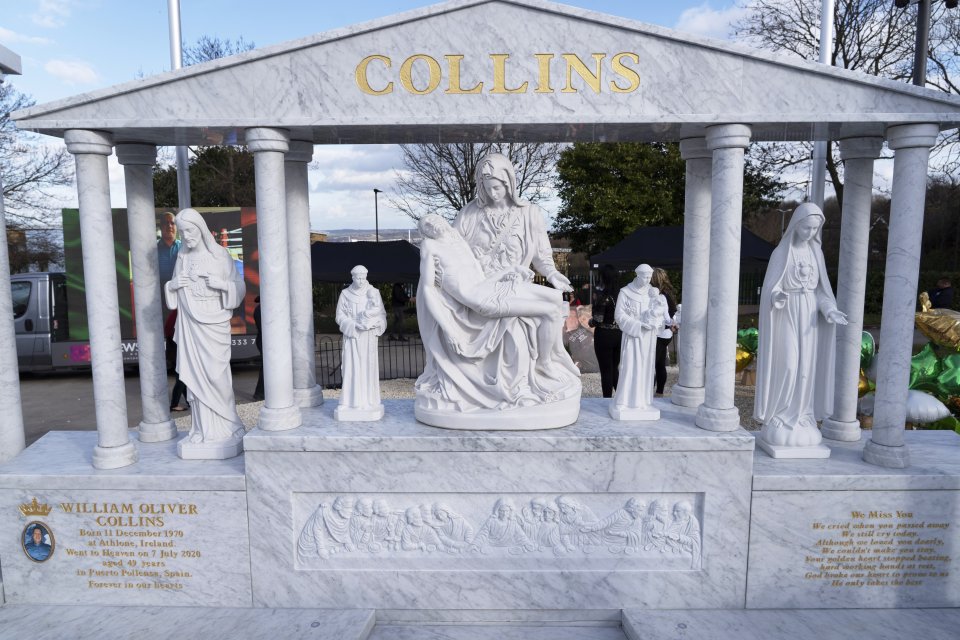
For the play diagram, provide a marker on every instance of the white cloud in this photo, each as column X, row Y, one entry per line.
column 703, row 20
column 72, row 72
column 51, row 14
column 12, row 37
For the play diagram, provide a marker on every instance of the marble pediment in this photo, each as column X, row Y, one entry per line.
column 473, row 70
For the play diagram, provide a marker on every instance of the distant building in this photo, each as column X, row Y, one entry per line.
column 317, row 236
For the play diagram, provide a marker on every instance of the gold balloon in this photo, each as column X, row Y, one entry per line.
column 863, row 387
column 942, row 326
column 744, row 358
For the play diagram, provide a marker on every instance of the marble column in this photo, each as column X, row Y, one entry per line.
column 90, row 150
column 12, row 438
column 306, row 392
column 279, row 411
column 138, row 161
column 911, row 144
column 858, row 155
column 692, row 339
column 728, row 143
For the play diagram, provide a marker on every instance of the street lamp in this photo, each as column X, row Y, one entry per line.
column 376, row 213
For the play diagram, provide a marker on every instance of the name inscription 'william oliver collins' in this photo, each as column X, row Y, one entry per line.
column 625, row 79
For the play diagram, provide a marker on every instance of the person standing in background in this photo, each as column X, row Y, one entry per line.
column 607, row 336
column 941, row 296
column 661, row 281
column 398, row 303
column 258, row 392
column 168, row 246
column 179, row 389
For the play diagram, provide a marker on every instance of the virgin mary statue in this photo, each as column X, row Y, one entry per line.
column 798, row 317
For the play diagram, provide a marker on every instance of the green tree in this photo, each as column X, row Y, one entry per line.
column 609, row 189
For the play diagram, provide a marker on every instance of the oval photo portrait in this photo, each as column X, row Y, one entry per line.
column 38, row 542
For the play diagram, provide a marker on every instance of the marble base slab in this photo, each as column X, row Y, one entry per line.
column 399, row 515
column 163, row 532
column 840, row 533
column 50, row 622
column 794, row 453
column 780, row 624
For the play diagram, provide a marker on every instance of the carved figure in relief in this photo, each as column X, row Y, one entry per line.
column 328, row 530
column 574, row 518
column 454, row 532
column 502, row 529
column 622, row 529
column 362, row 526
column 798, row 318
column 532, row 516
column 640, row 313
column 205, row 289
column 656, row 526
column 547, row 535
column 386, row 525
column 683, row 534
column 416, row 535
column 362, row 318
column 493, row 339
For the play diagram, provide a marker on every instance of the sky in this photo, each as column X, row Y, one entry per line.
column 70, row 47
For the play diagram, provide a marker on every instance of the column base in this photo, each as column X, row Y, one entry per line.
column 884, row 456
column 687, row 396
column 305, row 398
column 279, row 419
column 115, row 457
column 817, row 451
column 841, row 431
column 711, row 419
column 157, row 431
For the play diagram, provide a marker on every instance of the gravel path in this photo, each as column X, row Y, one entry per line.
column 403, row 388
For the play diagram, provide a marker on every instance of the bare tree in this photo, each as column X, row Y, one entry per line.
column 872, row 36
column 439, row 178
column 31, row 170
column 208, row 48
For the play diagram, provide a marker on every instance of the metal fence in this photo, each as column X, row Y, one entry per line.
column 397, row 358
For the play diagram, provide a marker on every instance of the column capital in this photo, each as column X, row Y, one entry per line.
column 726, row 136
column 902, row 136
column 300, row 151
column 267, row 139
column 136, row 153
column 694, row 148
column 861, row 148
column 87, row 141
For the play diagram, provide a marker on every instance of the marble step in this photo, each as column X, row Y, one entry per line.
column 494, row 632
column 793, row 624
column 60, row 622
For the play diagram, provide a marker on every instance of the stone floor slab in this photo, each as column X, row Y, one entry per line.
column 175, row 623
column 494, row 632
column 793, row 624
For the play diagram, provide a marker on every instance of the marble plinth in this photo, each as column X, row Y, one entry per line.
column 628, row 413
column 399, row 515
column 218, row 450
column 162, row 532
column 795, row 453
column 841, row 533
column 353, row 414
column 552, row 415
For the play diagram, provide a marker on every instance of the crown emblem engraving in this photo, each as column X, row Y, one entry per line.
column 35, row 509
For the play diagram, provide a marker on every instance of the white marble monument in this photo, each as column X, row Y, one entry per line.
column 641, row 312
column 362, row 318
column 798, row 316
column 205, row 289
column 492, row 338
